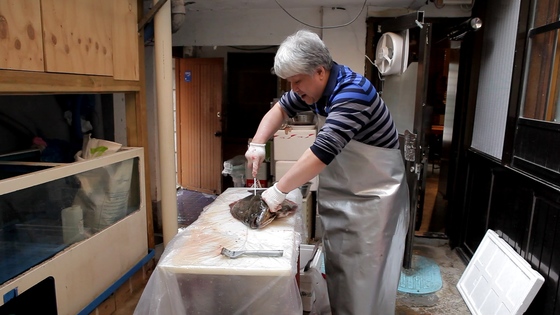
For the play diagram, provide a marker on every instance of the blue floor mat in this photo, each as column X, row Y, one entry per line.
column 190, row 204
column 423, row 278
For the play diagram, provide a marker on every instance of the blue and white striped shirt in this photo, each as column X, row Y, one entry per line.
column 354, row 111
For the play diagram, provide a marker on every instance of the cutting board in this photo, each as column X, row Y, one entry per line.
column 197, row 248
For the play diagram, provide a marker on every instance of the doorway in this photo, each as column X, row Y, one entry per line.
column 428, row 113
column 250, row 88
column 439, row 118
column 199, row 85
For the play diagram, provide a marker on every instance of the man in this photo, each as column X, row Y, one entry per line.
column 362, row 195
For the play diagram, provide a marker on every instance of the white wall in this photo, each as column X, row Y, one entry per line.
column 241, row 27
column 271, row 26
column 261, row 27
column 346, row 44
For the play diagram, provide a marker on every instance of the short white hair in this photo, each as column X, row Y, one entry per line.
column 301, row 53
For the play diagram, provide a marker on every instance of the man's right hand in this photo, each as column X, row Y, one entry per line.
column 255, row 156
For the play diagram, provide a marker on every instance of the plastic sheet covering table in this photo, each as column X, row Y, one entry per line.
column 192, row 277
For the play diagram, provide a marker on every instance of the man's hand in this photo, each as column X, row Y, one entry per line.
column 255, row 156
column 273, row 198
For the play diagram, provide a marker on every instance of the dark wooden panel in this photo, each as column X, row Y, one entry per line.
column 537, row 142
column 479, row 182
column 510, row 208
column 525, row 211
column 544, row 253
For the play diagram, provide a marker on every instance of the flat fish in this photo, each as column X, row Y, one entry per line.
column 254, row 212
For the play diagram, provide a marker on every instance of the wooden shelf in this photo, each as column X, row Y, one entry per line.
column 31, row 82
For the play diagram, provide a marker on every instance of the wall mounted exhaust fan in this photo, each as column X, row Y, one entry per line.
column 391, row 53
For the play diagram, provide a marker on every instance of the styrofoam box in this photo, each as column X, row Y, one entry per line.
column 306, row 285
column 290, row 145
column 282, row 167
column 498, row 280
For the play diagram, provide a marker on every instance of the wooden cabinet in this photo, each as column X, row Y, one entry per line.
column 80, row 47
column 21, row 42
column 79, row 37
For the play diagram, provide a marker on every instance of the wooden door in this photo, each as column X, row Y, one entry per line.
column 199, row 83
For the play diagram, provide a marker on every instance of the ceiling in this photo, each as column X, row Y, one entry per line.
column 215, row 5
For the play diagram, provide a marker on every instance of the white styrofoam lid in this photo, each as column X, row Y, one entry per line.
column 498, row 280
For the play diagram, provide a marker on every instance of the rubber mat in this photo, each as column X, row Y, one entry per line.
column 190, row 204
column 423, row 278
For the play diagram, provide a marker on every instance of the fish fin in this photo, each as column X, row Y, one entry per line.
column 266, row 222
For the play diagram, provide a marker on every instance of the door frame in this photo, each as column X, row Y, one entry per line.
column 416, row 146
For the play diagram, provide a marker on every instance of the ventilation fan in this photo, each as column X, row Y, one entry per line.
column 389, row 54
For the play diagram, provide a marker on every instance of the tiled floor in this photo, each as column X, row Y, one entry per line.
column 445, row 301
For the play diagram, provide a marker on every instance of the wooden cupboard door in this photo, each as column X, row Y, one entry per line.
column 77, row 36
column 125, row 40
column 21, row 44
column 199, row 84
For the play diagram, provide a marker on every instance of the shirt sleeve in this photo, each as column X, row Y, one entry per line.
column 345, row 119
column 338, row 130
column 293, row 104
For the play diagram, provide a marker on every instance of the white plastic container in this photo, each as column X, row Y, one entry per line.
column 290, row 145
column 498, row 280
column 282, row 168
column 72, row 224
column 308, row 280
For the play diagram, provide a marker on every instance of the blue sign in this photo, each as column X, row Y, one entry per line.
column 188, row 76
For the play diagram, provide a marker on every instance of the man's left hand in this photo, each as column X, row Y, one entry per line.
column 273, row 198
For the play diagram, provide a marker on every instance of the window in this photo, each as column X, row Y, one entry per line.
column 542, row 78
column 537, row 130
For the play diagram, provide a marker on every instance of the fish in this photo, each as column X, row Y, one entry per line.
column 255, row 213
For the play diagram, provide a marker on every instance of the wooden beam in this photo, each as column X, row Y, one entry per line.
column 150, row 15
column 30, row 82
column 137, row 105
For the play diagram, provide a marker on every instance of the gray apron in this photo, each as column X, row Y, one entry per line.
column 364, row 209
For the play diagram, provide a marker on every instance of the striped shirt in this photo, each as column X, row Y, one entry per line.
column 353, row 110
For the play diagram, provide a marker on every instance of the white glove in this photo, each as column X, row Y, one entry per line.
column 255, row 156
column 273, row 198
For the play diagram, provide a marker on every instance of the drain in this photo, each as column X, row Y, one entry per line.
column 424, row 277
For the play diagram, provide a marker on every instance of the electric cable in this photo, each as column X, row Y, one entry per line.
column 381, row 79
column 252, row 49
column 323, row 27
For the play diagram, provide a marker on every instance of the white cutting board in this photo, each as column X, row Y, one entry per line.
column 197, row 248
column 498, row 280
